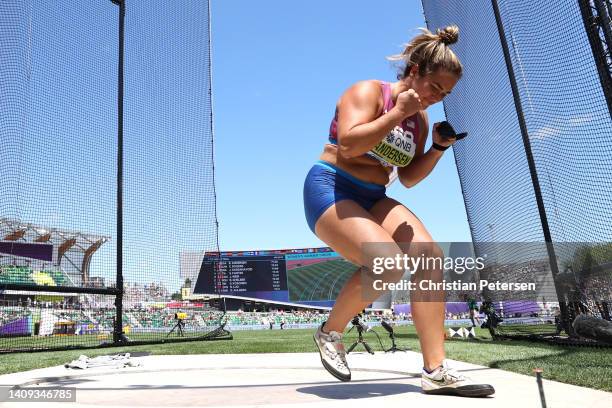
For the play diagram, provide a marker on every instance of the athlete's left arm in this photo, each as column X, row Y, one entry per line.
column 423, row 163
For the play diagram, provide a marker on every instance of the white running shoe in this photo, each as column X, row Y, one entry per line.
column 447, row 381
column 333, row 355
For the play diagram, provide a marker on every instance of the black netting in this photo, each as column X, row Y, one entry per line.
column 169, row 184
column 561, row 82
column 59, row 165
column 59, row 136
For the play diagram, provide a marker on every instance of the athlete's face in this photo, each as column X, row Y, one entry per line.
column 432, row 88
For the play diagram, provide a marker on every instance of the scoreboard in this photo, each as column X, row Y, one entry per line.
column 238, row 274
column 289, row 275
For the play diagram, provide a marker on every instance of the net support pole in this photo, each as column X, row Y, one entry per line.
column 604, row 21
column 601, row 47
column 212, row 157
column 118, row 336
column 531, row 163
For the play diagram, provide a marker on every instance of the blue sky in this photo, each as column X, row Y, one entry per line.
column 278, row 69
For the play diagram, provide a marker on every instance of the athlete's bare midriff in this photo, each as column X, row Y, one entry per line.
column 363, row 167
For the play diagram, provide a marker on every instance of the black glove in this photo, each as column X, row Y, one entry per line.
column 446, row 131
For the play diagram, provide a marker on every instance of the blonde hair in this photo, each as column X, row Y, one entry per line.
column 430, row 52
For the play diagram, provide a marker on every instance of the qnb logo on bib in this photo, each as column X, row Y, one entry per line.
column 396, row 149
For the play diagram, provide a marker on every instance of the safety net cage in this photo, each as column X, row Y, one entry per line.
column 536, row 100
column 106, row 172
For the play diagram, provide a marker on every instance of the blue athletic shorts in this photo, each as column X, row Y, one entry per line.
column 326, row 184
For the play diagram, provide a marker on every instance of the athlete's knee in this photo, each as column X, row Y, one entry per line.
column 385, row 262
column 429, row 274
column 429, row 254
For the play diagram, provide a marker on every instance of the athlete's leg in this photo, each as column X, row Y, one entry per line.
column 345, row 226
column 428, row 316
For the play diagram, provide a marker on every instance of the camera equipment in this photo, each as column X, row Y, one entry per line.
column 446, row 131
column 362, row 325
column 179, row 317
column 361, row 328
column 493, row 318
column 389, row 329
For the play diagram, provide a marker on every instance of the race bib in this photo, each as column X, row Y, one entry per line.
column 396, row 149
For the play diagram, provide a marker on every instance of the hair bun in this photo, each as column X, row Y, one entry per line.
column 448, row 35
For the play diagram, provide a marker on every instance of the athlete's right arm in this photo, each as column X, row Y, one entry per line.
column 360, row 124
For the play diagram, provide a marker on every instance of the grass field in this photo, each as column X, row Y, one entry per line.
column 589, row 367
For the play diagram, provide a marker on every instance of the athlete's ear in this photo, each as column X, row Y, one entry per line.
column 414, row 70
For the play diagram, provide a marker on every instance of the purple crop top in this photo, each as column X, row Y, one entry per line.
column 398, row 148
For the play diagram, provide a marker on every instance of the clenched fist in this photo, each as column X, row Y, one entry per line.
column 408, row 102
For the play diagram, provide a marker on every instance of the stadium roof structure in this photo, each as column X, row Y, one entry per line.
column 63, row 241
